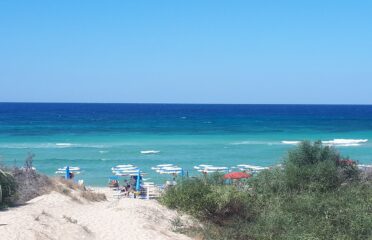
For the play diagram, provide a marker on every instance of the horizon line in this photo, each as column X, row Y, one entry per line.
column 182, row 103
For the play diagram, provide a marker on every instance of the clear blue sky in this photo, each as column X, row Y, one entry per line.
column 186, row 51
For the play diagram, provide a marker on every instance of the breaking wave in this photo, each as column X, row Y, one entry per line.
column 50, row 145
column 335, row 142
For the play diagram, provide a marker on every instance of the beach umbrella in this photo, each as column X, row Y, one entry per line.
column 125, row 170
column 251, row 168
column 236, row 175
column 138, row 180
column 67, row 176
column 203, row 168
column 169, row 169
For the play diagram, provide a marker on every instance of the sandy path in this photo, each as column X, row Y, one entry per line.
column 55, row 216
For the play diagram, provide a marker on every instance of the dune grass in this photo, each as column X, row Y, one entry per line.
column 317, row 194
column 20, row 185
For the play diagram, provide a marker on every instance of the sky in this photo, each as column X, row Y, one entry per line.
column 186, row 51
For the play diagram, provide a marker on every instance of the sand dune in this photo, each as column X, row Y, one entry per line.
column 56, row 216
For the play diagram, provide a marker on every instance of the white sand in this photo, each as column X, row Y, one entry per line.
column 56, row 216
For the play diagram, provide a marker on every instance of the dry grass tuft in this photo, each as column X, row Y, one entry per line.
column 71, row 185
column 93, row 196
column 86, row 229
column 70, row 219
column 74, row 221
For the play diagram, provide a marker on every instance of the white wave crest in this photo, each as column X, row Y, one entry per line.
column 64, row 145
column 150, row 151
column 335, row 142
column 253, row 143
column 345, row 142
column 291, row 142
column 50, row 145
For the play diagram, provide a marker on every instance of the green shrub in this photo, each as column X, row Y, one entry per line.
column 205, row 200
column 317, row 194
column 316, row 167
column 341, row 214
column 189, row 196
column 8, row 188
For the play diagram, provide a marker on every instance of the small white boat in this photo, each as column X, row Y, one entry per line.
column 150, row 152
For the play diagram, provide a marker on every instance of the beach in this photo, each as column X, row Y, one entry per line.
column 56, row 216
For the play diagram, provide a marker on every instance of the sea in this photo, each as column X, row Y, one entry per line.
column 97, row 137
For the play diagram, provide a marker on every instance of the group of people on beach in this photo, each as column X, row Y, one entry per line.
column 127, row 187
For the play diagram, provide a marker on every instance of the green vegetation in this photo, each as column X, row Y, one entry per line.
column 316, row 194
column 8, row 188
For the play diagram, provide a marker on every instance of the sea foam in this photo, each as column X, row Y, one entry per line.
column 50, row 145
column 253, row 143
column 345, row 142
column 335, row 142
column 149, row 151
column 291, row 142
column 64, row 144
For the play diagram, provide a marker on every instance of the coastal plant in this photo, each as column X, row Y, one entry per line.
column 189, row 195
column 316, row 194
column 30, row 184
column 93, row 196
column 314, row 167
column 8, row 188
column 207, row 200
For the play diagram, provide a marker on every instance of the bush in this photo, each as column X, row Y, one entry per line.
column 341, row 214
column 317, row 195
column 189, row 196
column 207, row 201
column 30, row 184
column 316, row 167
column 8, row 188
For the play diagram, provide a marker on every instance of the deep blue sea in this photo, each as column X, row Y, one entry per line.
column 97, row 137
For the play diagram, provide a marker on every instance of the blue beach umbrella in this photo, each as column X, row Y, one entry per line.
column 67, row 173
column 138, row 180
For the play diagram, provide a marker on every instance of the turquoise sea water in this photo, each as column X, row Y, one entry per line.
column 97, row 137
